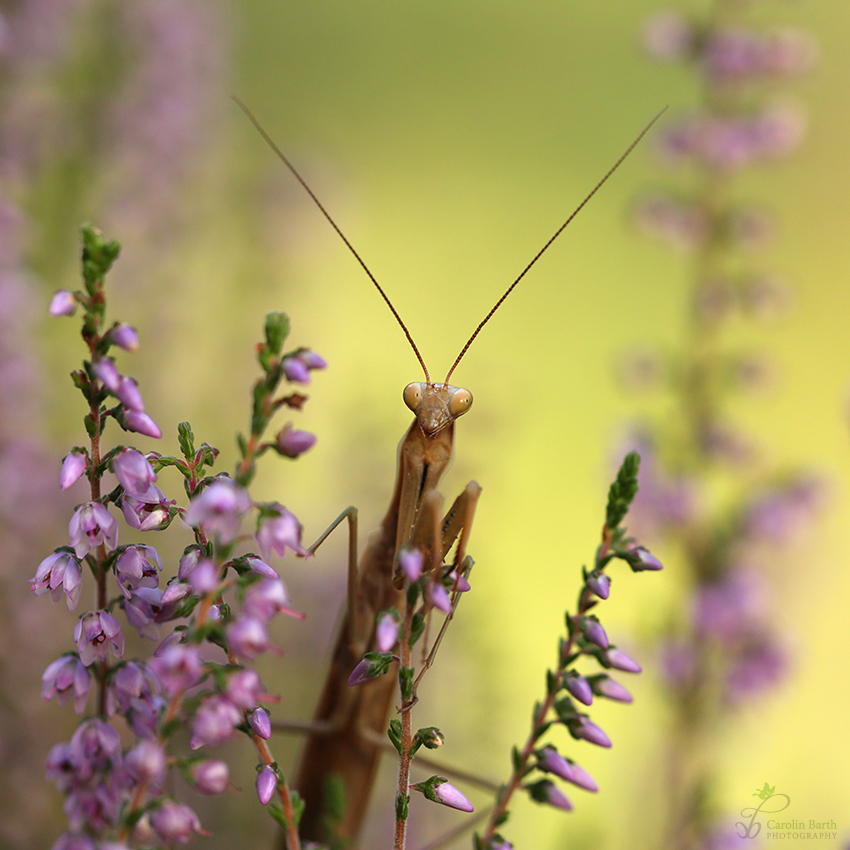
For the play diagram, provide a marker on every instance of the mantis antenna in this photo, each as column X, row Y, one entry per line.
column 372, row 277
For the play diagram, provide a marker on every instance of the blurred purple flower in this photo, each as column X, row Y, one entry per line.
column 211, row 777
column 73, row 467
column 65, row 678
column 219, row 508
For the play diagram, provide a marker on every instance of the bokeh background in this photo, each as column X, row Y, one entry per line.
column 449, row 141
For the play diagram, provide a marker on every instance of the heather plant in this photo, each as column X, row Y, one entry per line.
column 707, row 490
column 215, row 609
column 209, row 620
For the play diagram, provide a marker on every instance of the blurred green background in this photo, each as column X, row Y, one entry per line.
column 448, row 140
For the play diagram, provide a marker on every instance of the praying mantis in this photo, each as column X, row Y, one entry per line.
column 349, row 723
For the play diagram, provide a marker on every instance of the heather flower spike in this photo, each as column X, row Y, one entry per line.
column 585, row 642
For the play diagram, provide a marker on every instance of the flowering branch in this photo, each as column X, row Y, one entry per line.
column 117, row 795
column 565, row 685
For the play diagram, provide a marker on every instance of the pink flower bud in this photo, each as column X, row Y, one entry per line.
column 211, row 777
column 63, row 303
column 125, row 337
column 133, row 471
column 261, row 723
column 411, row 561
column 387, row 631
column 175, row 823
column 141, row 423
column 615, row 658
column 266, row 784
column 73, row 467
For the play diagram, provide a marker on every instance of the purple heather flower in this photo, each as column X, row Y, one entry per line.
column 581, row 727
column 127, row 392
column 726, row 609
column 268, row 597
column 144, row 609
column 146, row 763
column 219, row 508
column 131, row 685
column 369, row 668
column 412, row 561
column 133, row 471
column 73, row 467
column 94, row 748
column 188, row 562
column 64, row 678
column 247, row 637
column 578, row 686
column 214, row 722
column 312, row 360
column 280, row 531
column 599, row 583
column 759, row 665
column 499, row 843
column 63, row 303
column 125, row 337
column 94, row 633
column 141, row 423
column 148, row 512
column 614, row 657
column 641, row 559
column 438, row 596
column 605, row 686
column 95, row 808
column 175, row 591
column 261, row 567
column 594, row 632
column 177, row 667
column 60, row 574
column 137, row 566
column 175, row 823
column 681, row 224
column 291, row 442
column 297, row 368
column 547, row 792
column 438, row 790
column 107, row 373
column 211, row 777
column 205, row 578
column 60, row 768
column 387, row 631
column 736, row 55
column 244, row 688
column 266, row 783
column 549, row 759
column 261, row 723
column 91, row 525
column 458, row 583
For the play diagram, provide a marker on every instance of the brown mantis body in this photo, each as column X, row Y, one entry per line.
column 349, row 722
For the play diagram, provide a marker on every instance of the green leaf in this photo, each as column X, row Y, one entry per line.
column 623, row 489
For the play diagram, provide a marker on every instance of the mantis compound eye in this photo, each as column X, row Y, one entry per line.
column 460, row 402
column 412, row 395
